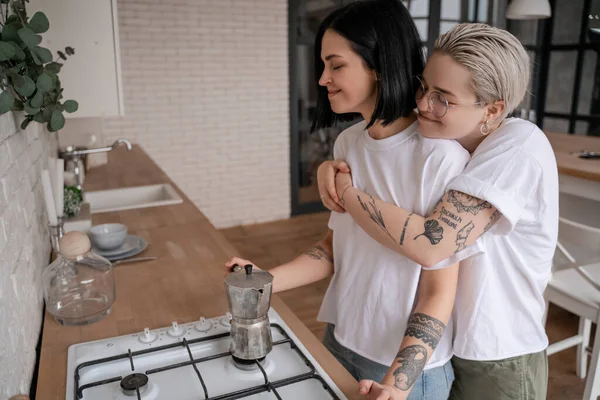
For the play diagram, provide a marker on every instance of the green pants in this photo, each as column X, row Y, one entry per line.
column 517, row 378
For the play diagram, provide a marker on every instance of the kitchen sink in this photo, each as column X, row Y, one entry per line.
column 131, row 198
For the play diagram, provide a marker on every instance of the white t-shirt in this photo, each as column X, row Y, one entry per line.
column 499, row 305
column 372, row 292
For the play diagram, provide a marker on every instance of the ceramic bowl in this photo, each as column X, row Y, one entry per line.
column 108, row 236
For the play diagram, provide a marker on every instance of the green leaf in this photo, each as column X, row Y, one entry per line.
column 12, row 18
column 37, row 99
column 24, row 124
column 57, row 121
column 53, row 67
column 10, row 32
column 44, row 54
column 29, row 37
column 6, row 51
column 31, row 110
column 27, row 88
column 39, row 117
column 17, row 68
column 6, row 102
column 44, row 82
column 19, row 53
column 71, row 106
column 35, row 57
column 39, row 23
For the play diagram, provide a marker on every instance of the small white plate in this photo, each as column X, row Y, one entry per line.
column 132, row 246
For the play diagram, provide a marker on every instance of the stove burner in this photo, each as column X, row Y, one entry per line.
column 130, row 383
column 247, row 365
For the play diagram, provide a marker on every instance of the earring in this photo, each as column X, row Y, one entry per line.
column 485, row 128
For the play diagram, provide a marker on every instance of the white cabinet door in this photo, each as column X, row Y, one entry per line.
column 92, row 76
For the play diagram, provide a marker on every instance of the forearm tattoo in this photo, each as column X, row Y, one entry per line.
column 466, row 202
column 451, row 219
column 317, row 252
column 412, row 360
column 462, row 235
column 426, row 328
column 433, row 231
column 404, row 228
column 374, row 213
column 493, row 219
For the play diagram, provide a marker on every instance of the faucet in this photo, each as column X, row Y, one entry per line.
column 75, row 154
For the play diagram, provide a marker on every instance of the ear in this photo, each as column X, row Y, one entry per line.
column 494, row 111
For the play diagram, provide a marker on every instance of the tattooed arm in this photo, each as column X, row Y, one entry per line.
column 312, row 266
column 455, row 223
column 424, row 330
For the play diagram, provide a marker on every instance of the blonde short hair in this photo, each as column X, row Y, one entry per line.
column 497, row 60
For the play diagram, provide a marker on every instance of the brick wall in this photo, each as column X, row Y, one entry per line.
column 206, row 95
column 24, row 248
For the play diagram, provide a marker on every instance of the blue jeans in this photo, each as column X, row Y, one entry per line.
column 432, row 384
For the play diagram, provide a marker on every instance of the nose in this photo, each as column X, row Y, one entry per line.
column 423, row 104
column 325, row 78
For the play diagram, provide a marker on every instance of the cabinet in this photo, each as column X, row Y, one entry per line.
column 92, row 75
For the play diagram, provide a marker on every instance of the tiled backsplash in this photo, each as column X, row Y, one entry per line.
column 206, row 95
column 24, row 248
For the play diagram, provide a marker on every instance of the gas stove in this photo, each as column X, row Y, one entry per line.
column 192, row 361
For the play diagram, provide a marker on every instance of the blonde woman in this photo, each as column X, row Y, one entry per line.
column 474, row 78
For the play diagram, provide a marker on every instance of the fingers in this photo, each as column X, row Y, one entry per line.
column 326, row 186
column 239, row 261
column 341, row 166
column 364, row 386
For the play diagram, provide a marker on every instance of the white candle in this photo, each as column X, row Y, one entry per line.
column 59, row 190
column 48, row 197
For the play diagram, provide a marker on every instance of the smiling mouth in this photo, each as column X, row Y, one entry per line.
column 332, row 93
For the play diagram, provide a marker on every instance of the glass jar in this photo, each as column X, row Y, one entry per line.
column 79, row 286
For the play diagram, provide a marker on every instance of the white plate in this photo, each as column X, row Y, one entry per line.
column 133, row 245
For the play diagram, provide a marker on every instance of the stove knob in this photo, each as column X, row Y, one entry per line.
column 175, row 330
column 148, row 336
column 203, row 325
column 226, row 320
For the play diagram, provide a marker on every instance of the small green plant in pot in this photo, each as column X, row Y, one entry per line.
column 28, row 75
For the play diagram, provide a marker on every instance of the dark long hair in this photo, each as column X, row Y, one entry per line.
column 383, row 34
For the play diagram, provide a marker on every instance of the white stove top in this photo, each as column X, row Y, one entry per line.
column 164, row 356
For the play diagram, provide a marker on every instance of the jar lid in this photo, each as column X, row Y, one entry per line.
column 249, row 278
column 74, row 244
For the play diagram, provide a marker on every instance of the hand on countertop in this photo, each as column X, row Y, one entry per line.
column 229, row 265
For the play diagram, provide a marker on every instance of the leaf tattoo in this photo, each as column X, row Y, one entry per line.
column 466, row 202
column 412, row 360
column 317, row 252
column 462, row 235
column 374, row 213
column 493, row 219
column 433, row 231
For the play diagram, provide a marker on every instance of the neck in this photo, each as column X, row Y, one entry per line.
column 378, row 131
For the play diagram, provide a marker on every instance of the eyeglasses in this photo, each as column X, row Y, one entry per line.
column 436, row 101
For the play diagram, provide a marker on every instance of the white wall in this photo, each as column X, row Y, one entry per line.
column 206, row 95
column 24, row 248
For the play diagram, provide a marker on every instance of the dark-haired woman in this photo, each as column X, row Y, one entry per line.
column 386, row 316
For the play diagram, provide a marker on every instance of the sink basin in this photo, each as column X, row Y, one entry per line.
column 131, row 198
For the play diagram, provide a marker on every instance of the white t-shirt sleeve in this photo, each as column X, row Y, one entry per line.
column 339, row 153
column 505, row 178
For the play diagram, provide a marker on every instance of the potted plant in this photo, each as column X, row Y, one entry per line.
column 28, row 74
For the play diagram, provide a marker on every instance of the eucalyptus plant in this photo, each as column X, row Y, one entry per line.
column 28, row 74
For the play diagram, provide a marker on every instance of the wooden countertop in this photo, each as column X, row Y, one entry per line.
column 185, row 283
column 569, row 164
